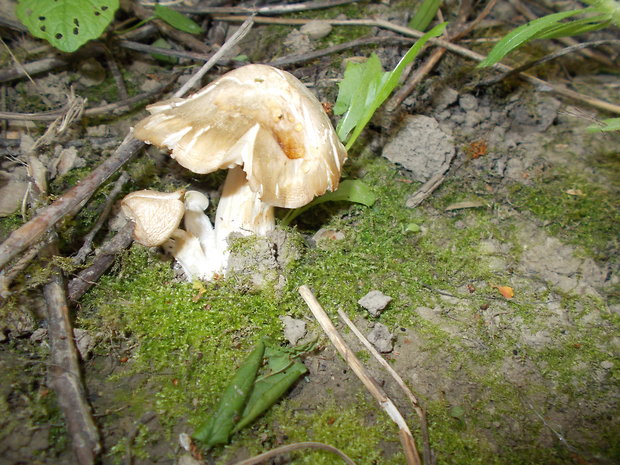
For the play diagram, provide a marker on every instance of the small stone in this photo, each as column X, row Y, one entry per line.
column 375, row 302
column 445, row 98
column 607, row 365
column 381, row 338
column 294, row 329
column 187, row 459
column 84, row 342
column 316, row 30
column 12, row 190
column 324, row 235
column 468, row 102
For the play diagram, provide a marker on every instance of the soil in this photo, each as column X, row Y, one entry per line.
column 500, row 305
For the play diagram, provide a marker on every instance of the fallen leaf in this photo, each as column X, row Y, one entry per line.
column 466, row 204
column 575, row 192
column 507, row 291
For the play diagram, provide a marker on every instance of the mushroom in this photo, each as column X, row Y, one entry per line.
column 268, row 130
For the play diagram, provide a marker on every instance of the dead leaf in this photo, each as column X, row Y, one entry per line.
column 575, row 192
column 466, row 204
column 507, row 291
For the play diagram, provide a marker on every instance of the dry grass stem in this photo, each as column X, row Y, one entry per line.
column 360, row 371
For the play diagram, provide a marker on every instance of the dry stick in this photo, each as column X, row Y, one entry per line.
column 385, row 402
column 65, row 375
column 541, row 84
column 32, row 231
column 116, row 73
column 428, row 456
column 291, row 59
column 268, row 10
column 108, row 252
column 293, row 447
column 87, row 246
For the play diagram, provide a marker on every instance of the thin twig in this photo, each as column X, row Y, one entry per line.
column 230, row 43
column 428, row 456
column 385, row 402
column 87, row 246
column 65, row 375
column 429, row 186
column 268, row 10
column 290, row 59
column 465, row 52
column 116, row 73
column 293, row 447
column 107, row 253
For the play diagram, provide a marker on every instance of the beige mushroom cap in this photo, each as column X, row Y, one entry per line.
column 156, row 215
column 259, row 117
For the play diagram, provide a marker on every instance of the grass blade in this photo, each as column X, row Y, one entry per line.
column 424, row 15
column 349, row 191
column 177, row 20
column 606, row 125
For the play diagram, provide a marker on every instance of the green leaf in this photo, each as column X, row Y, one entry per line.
column 163, row 43
column 218, row 428
column 349, row 191
column 285, row 371
column 424, row 15
column 66, row 24
column 177, row 20
column 606, row 125
column 365, row 87
column 532, row 30
column 573, row 28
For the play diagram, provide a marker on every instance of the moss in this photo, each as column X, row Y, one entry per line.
column 589, row 217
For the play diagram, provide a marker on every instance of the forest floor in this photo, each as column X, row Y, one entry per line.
column 505, row 305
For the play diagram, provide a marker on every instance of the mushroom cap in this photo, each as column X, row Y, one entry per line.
column 156, row 215
column 261, row 118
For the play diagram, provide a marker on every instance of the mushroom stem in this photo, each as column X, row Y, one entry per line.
column 240, row 211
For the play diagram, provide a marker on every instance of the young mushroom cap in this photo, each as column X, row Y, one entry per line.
column 258, row 117
column 156, row 215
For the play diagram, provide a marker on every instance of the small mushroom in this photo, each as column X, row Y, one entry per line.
column 156, row 215
column 268, row 130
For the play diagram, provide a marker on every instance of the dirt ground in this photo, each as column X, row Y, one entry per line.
column 503, row 283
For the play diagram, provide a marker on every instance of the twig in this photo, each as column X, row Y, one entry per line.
column 140, row 47
column 428, row 456
column 230, row 43
column 290, row 59
column 116, row 73
column 293, row 447
column 539, row 83
column 268, row 10
column 385, row 402
column 105, row 258
column 87, row 246
column 65, row 375
column 429, row 186
column 8, row 275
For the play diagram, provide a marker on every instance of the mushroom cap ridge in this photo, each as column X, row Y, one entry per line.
column 259, row 117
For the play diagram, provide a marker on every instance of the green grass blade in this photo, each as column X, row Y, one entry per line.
column 177, row 20
column 424, row 15
column 606, row 125
column 349, row 191
column 524, row 33
column 576, row 27
column 377, row 89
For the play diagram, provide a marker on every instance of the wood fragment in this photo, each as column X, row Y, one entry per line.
column 293, row 447
column 360, row 371
column 267, row 10
column 64, row 372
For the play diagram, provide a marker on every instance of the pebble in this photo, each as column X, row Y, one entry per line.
column 294, row 329
column 381, row 338
column 316, row 30
column 375, row 302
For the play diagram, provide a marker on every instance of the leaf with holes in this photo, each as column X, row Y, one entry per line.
column 66, row 24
